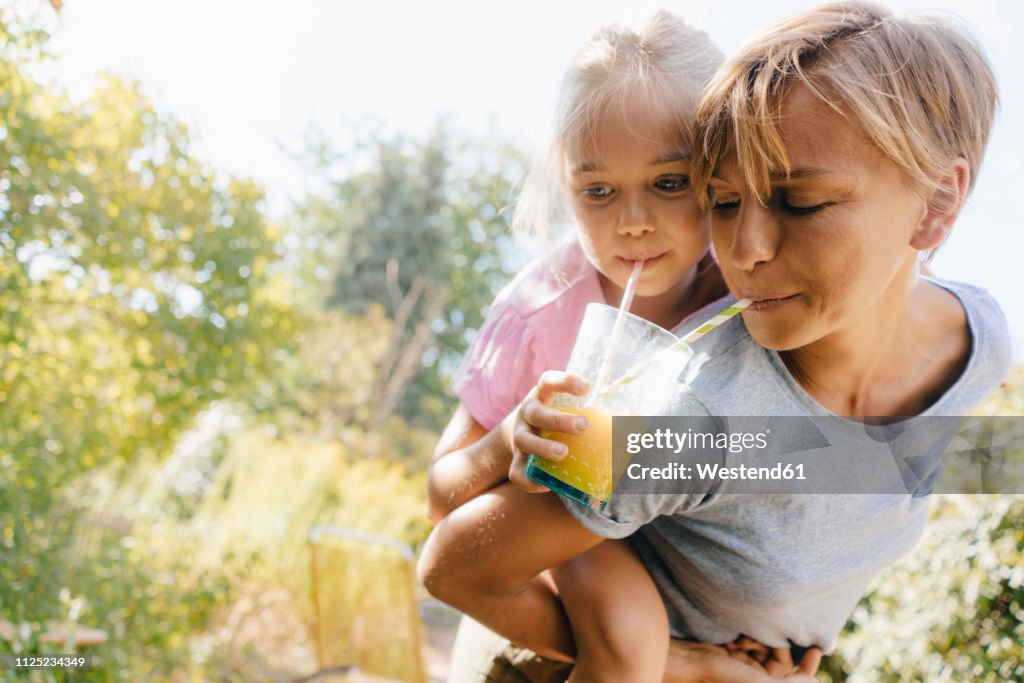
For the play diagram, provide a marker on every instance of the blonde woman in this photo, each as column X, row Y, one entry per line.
column 834, row 152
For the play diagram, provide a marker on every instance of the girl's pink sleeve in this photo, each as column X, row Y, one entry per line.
column 500, row 368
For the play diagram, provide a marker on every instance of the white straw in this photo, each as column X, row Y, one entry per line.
column 620, row 323
column 701, row 330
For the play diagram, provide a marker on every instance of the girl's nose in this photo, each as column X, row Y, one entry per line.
column 637, row 217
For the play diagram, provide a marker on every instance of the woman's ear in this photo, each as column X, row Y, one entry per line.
column 944, row 206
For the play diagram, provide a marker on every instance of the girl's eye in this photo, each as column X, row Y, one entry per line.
column 673, row 183
column 597, row 192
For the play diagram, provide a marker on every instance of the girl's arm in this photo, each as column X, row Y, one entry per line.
column 468, row 460
column 486, row 557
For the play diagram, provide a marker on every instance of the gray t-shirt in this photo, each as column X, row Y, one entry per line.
column 781, row 568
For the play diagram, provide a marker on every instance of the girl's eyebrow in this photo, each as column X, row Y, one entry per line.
column 585, row 167
column 672, row 157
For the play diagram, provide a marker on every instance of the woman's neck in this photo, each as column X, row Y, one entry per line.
column 914, row 349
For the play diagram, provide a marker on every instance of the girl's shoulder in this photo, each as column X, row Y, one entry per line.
column 557, row 284
column 530, row 328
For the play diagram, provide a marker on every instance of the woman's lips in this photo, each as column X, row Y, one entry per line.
column 768, row 302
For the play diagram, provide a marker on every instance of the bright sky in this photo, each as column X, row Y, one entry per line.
column 251, row 76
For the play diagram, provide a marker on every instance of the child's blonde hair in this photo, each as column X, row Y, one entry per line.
column 655, row 70
column 919, row 88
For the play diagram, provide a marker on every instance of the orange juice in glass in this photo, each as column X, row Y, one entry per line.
column 586, row 474
column 588, row 466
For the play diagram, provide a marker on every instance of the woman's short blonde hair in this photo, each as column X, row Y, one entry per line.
column 918, row 87
column 653, row 72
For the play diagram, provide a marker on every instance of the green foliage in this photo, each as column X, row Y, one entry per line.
column 136, row 286
column 951, row 610
column 244, row 538
column 413, row 230
column 246, row 509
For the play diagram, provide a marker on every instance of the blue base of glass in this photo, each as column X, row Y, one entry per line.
column 560, row 487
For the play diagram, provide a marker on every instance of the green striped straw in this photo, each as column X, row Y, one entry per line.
column 726, row 313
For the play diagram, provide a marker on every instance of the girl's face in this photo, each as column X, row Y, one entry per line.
column 630, row 192
column 830, row 252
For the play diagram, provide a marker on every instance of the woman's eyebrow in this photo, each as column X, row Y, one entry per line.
column 805, row 172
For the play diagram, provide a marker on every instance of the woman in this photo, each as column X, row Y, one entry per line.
column 837, row 150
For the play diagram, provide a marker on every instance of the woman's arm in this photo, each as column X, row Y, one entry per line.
column 468, row 460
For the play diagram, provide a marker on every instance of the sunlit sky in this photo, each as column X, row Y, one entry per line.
column 251, row 77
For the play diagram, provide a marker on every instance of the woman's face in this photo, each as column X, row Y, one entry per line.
column 830, row 251
column 631, row 195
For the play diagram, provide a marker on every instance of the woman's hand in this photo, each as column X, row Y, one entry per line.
column 690, row 662
column 777, row 661
column 536, row 413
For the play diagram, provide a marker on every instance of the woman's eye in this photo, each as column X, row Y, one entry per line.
column 673, row 183
column 725, row 205
column 597, row 192
column 804, row 210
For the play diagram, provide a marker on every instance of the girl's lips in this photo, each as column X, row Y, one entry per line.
column 762, row 303
column 648, row 261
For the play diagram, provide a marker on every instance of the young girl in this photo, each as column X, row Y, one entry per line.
column 620, row 161
column 836, row 149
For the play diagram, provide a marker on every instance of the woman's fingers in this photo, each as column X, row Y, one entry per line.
column 762, row 653
column 780, row 663
column 777, row 661
column 747, row 658
column 811, row 661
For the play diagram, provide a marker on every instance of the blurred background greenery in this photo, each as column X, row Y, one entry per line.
column 189, row 385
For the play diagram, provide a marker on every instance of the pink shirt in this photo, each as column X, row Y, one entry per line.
column 530, row 328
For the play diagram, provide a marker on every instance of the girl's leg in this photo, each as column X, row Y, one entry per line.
column 617, row 616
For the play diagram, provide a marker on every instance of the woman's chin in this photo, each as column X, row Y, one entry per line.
column 777, row 337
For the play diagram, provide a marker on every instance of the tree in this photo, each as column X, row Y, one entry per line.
column 136, row 287
column 416, row 234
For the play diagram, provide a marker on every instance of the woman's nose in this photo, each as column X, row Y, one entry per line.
column 755, row 236
column 637, row 217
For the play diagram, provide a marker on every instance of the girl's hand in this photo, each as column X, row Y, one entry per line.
column 535, row 413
